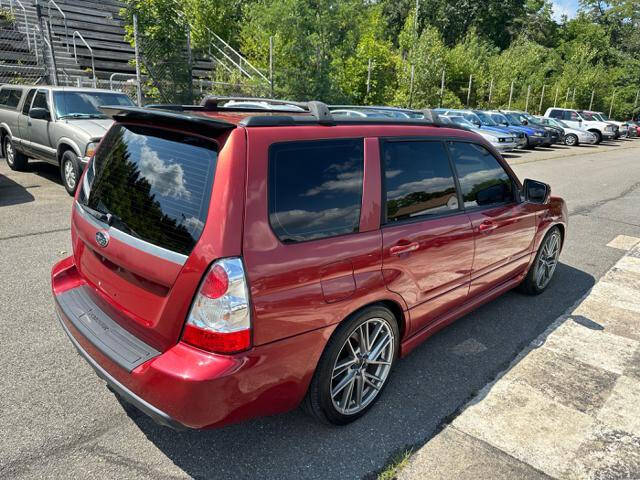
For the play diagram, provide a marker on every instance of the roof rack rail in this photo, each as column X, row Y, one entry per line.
column 318, row 109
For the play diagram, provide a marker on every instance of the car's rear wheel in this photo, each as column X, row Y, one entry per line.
column 15, row 159
column 70, row 171
column 571, row 140
column 544, row 265
column 354, row 367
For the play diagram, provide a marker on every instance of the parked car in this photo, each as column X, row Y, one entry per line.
column 622, row 127
column 503, row 142
column 58, row 125
column 393, row 112
column 535, row 136
column 227, row 270
column 552, row 134
column 471, row 117
column 634, row 128
column 485, row 121
column 572, row 136
column 602, row 130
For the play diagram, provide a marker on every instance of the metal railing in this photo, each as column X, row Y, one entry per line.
column 26, row 21
column 119, row 74
column 75, row 54
column 64, row 18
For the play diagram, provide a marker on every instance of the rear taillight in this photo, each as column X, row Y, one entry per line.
column 220, row 317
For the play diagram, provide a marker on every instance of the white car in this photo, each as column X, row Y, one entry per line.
column 573, row 118
column 623, row 128
column 502, row 143
column 572, row 136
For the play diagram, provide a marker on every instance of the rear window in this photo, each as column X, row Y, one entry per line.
column 10, row 97
column 154, row 183
column 315, row 189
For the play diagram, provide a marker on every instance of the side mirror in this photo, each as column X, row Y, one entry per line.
column 478, row 124
column 40, row 114
column 525, row 122
column 506, row 124
column 536, row 192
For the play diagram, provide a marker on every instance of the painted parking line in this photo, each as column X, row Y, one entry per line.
column 567, row 407
column 624, row 242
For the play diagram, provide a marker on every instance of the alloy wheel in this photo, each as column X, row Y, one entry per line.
column 8, row 148
column 69, row 174
column 548, row 260
column 362, row 366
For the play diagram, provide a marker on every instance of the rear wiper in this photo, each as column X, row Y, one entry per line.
column 103, row 217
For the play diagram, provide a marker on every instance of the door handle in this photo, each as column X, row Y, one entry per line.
column 406, row 248
column 486, row 226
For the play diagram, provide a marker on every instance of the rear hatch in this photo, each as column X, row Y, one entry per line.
column 140, row 211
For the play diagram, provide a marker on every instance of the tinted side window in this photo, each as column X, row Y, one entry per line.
column 482, row 179
column 10, row 97
column 555, row 114
column 418, row 180
column 41, row 101
column 27, row 101
column 315, row 188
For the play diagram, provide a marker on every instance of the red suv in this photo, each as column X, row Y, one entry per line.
column 231, row 264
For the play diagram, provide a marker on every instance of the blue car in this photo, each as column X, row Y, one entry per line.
column 518, row 130
column 473, row 117
column 534, row 136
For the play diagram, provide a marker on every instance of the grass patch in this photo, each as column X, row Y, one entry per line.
column 397, row 463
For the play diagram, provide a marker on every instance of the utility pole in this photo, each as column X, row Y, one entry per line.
column 411, row 87
column 566, row 99
column 415, row 20
column 271, row 64
column 526, row 104
column 544, row 85
column 555, row 100
column 137, row 58
column 490, row 91
column 441, row 89
column 573, row 99
column 635, row 104
column 369, row 77
column 469, row 92
column 510, row 95
column 593, row 92
column 613, row 95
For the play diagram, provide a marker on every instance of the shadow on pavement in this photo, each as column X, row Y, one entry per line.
column 425, row 390
column 12, row 193
column 46, row 170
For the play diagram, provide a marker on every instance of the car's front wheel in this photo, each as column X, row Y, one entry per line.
column 571, row 140
column 70, row 171
column 354, row 367
column 544, row 265
column 598, row 136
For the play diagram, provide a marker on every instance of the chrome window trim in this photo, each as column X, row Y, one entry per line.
column 132, row 241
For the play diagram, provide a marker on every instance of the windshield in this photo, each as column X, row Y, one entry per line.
column 472, row 117
column 514, row 118
column 462, row 121
column 588, row 116
column 561, row 124
column 85, row 104
column 486, row 119
column 604, row 116
column 500, row 118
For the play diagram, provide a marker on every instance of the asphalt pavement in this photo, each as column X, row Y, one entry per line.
column 59, row 420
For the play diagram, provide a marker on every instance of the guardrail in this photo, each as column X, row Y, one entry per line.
column 75, row 54
column 64, row 18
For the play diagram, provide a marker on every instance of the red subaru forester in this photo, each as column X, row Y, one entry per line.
column 229, row 263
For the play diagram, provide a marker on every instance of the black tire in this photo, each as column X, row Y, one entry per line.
column 318, row 402
column 70, row 172
column 571, row 140
column 530, row 285
column 598, row 136
column 16, row 160
column 528, row 145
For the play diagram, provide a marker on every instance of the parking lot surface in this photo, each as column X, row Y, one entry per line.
column 59, row 420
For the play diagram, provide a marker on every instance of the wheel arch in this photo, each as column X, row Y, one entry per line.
column 4, row 132
column 64, row 145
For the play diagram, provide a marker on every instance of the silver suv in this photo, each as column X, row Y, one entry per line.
column 58, row 125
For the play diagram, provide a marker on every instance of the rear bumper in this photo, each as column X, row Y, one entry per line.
column 185, row 387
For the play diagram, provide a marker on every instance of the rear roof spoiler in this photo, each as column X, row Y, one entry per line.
column 161, row 116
